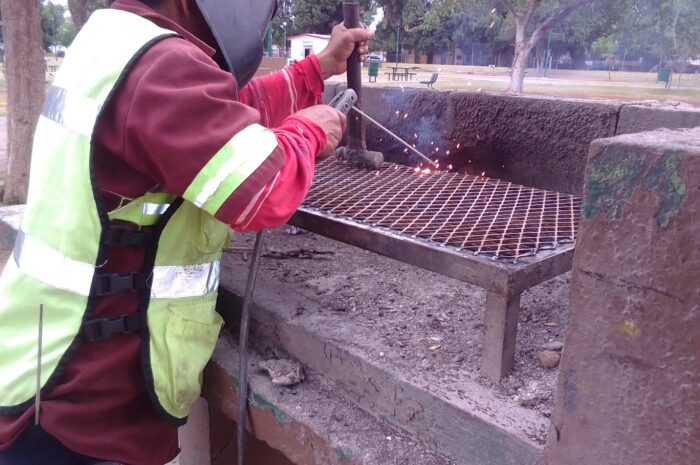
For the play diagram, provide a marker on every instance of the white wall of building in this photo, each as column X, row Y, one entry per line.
column 307, row 44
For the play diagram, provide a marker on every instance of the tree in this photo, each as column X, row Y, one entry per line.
column 533, row 18
column 24, row 70
column 80, row 10
column 52, row 20
column 319, row 16
column 280, row 30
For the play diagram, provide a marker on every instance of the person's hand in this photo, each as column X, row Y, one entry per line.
column 331, row 121
column 333, row 58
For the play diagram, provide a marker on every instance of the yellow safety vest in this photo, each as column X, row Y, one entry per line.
column 65, row 231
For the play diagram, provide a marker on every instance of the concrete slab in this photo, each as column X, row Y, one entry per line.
column 640, row 118
column 469, row 423
column 307, row 423
column 629, row 384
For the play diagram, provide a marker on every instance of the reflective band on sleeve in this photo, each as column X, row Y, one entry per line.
column 44, row 263
column 71, row 109
column 231, row 166
column 155, row 208
column 170, row 282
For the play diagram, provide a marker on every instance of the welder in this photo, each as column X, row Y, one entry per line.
column 153, row 144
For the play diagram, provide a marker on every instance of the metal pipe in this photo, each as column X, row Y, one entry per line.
column 356, row 127
column 409, row 146
column 243, row 349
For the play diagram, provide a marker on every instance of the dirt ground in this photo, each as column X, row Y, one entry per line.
column 435, row 323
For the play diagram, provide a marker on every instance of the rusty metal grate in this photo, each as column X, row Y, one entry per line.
column 485, row 216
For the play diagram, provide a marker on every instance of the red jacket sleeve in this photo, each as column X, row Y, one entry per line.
column 176, row 109
column 285, row 92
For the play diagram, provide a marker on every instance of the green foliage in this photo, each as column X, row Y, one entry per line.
column 66, row 33
column 284, row 15
column 319, row 16
column 52, row 20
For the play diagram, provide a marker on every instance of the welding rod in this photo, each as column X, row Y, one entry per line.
column 409, row 146
column 243, row 349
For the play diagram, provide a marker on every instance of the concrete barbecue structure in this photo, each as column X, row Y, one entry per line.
column 627, row 385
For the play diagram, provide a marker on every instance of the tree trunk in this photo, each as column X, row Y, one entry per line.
column 520, row 59
column 80, row 10
column 25, row 73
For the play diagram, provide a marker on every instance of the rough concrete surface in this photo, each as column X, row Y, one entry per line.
column 535, row 141
column 307, row 423
column 404, row 325
column 639, row 118
column 629, row 383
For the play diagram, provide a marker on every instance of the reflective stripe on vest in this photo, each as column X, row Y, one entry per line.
column 230, row 167
column 71, row 109
column 155, row 208
column 43, row 263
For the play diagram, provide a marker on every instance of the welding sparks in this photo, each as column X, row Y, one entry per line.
column 449, row 167
column 415, row 136
column 417, row 169
column 493, row 11
column 493, row 23
column 447, row 152
column 458, row 144
column 405, row 151
column 478, row 137
column 483, row 173
column 405, row 115
column 397, row 113
column 426, row 171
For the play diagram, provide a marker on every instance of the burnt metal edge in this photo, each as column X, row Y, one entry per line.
column 494, row 275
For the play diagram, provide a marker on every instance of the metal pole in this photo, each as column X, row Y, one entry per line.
column 547, row 53
column 269, row 40
column 243, row 349
column 284, row 26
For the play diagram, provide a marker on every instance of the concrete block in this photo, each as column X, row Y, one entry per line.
column 194, row 436
column 640, row 118
column 535, row 141
column 306, row 424
column 628, row 391
column 460, row 417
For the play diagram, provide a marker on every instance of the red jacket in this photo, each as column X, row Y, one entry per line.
column 168, row 117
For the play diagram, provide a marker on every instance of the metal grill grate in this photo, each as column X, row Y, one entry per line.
column 485, row 216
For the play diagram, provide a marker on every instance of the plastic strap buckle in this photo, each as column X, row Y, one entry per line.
column 108, row 284
column 120, row 236
column 104, row 328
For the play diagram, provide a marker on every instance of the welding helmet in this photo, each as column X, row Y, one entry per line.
column 240, row 28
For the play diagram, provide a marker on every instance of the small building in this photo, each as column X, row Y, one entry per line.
column 304, row 45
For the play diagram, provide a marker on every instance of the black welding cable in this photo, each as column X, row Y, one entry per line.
column 243, row 349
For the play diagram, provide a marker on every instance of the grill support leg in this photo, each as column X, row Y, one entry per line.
column 500, row 330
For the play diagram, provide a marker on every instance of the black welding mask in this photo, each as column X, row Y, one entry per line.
column 240, row 29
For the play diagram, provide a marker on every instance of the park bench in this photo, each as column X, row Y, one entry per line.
column 431, row 81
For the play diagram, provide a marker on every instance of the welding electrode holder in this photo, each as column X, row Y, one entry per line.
column 344, row 101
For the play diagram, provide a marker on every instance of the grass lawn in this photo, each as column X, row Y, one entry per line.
column 559, row 83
